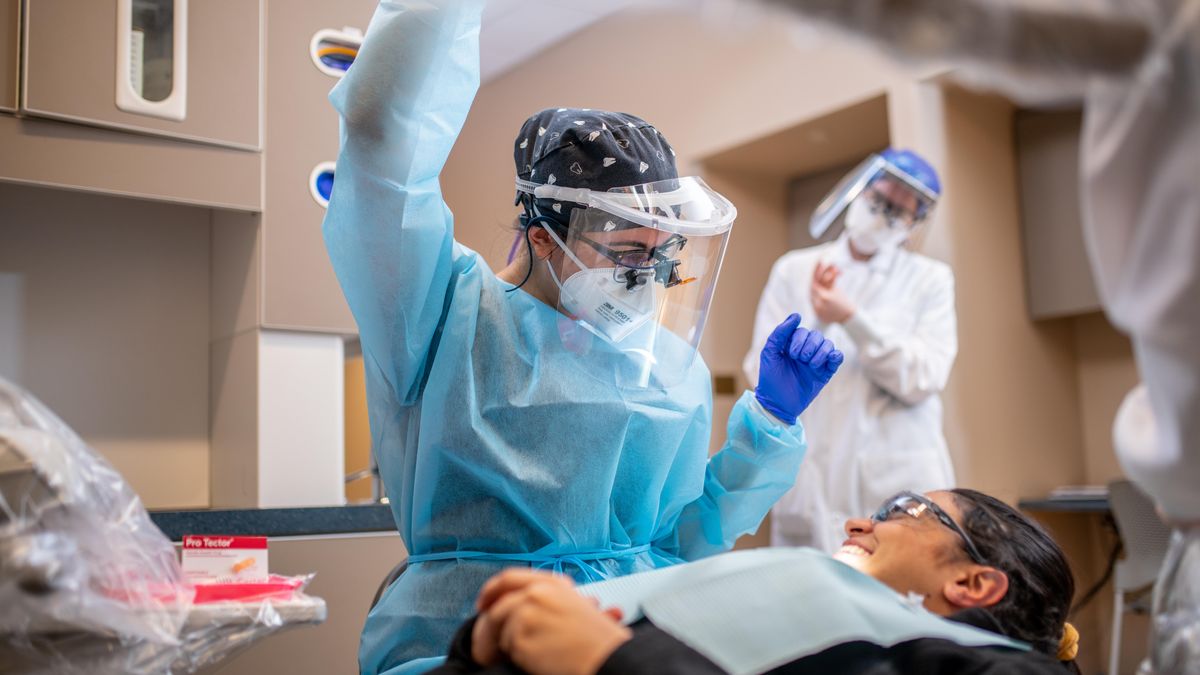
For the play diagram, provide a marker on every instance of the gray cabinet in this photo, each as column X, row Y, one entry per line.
column 300, row 289
column 184, row 69
column 61, row 155
column 1057, row 272
column 10, row 27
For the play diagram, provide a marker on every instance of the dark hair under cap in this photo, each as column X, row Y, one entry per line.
column 585, row 148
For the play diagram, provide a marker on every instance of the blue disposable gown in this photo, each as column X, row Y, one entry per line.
column 491, row 437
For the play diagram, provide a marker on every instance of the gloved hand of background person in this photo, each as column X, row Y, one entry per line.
column 794, row 366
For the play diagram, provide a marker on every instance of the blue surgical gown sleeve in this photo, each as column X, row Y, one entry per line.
column 756, row 467
column 388, row 231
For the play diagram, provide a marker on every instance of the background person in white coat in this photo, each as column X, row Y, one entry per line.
column 878, row 427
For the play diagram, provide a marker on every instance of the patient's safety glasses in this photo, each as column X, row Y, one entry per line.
column 913, row 505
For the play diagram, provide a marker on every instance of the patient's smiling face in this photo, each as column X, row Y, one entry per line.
column 922, row 555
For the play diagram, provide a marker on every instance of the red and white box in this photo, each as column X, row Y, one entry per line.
column 209, row 559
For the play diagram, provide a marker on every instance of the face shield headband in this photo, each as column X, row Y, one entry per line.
column 684, row 206
column 681, row 207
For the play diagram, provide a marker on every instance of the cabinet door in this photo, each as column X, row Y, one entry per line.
column 300, row 289
column 1058, row 274
column 189, row 69
column 75, row 157
column 10, row 28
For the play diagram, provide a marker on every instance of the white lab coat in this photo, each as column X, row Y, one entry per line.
column 876, row 429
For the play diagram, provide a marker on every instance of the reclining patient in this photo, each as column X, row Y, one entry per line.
column 949, row 582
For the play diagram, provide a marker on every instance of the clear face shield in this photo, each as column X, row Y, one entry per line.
column 637, row 275
column 878, row 203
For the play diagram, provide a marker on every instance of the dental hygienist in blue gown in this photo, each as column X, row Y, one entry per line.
column 554, row 414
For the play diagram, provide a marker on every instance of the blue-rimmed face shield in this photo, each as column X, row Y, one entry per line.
column 896, row 184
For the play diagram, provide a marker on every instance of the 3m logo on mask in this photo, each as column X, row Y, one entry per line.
column 611, row 313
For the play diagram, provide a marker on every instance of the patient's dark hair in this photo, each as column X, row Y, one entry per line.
column 1040, row 583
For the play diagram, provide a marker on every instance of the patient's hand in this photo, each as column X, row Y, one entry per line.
column 543, row 625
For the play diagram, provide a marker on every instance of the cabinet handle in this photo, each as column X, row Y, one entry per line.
column 152, row 58
column 320, row 183
column 333, row 51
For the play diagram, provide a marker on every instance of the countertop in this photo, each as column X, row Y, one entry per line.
column 290, row 522
column 300, row 522
column 1066, row 505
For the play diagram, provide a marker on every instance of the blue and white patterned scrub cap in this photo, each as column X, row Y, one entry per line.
column 586, row 148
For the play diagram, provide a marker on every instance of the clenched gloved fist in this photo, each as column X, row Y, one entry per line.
column 795, row 364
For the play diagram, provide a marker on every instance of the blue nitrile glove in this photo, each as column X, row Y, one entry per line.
column 795, row 364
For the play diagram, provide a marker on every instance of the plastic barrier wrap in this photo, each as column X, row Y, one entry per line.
column 88, row 584
column 1133, row 66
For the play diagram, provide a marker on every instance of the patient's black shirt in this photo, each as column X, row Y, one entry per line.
column 652, row 651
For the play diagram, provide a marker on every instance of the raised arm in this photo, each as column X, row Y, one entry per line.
column 764, row 447
column 756, row 467
column 388, row 231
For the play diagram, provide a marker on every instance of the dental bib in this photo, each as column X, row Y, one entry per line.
column 751, row 611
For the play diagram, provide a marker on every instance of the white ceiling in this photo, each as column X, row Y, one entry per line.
column 516, row 30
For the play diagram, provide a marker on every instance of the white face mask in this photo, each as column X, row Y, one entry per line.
column 603, row 303
column 870, row 232
column 592, row 296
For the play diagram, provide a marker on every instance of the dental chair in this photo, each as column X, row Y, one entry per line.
column 1146, row 539
column 391, row 577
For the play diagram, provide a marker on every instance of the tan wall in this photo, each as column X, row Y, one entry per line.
column 115, row 329
column 358, row 429
column 1106, row 373
column 1011, row 403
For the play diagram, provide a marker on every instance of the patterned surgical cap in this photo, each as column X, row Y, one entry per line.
column 593, row 149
